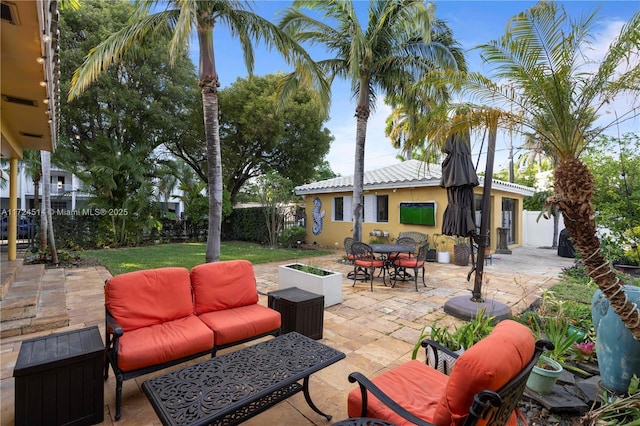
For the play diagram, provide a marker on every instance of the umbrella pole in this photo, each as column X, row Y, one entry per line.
column 486, row 213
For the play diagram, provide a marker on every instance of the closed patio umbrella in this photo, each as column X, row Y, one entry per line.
column 459, row 178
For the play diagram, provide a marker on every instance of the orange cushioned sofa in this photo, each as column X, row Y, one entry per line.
column 161, row 317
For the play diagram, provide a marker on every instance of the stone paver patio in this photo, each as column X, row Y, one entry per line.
column 376, row 330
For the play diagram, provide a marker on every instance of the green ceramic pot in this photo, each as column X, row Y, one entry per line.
column 581, row 333
column 541, row 380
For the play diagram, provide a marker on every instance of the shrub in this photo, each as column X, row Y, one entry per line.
column 291, row 236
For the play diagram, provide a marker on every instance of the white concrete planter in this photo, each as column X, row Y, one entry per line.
column 330, row 285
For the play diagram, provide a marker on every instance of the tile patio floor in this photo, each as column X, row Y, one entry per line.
column 376, row 330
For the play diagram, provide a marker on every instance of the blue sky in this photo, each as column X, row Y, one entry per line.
column 472, row 23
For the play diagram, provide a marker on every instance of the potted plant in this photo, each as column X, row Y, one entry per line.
column 313, row 279
column 440, row 242
column 462, row 338
column 549, row 367
column 461, row 251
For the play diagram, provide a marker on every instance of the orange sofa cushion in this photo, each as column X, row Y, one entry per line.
column 148, row 297
column 223, row 285
column 235, row 324
column 164, row 342
column 414, row 385
column 489, row 364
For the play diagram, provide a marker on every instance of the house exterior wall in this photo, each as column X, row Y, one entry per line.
column 325, row 231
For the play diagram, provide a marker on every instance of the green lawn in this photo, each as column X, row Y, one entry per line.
column 188, row 255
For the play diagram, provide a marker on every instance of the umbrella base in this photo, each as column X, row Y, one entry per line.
column 463, row 307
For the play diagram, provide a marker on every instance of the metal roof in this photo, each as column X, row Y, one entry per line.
column 406, row 174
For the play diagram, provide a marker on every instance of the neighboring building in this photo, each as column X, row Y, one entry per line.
column 66, row 191
column 30, row 90
column 67, row 194
column 403, row 197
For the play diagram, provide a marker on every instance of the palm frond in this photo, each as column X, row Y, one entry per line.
column 115, row 47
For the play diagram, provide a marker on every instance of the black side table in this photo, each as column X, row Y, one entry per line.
column 301, row 310
column 59, row 379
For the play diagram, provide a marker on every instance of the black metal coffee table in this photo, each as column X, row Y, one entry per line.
column 232, row 388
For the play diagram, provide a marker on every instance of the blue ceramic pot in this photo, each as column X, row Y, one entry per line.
column 617, row 350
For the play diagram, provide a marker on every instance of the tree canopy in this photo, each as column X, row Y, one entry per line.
column 257, row 139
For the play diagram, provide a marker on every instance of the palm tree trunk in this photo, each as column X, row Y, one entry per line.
column 214, row 170
column 358, row 178
column 208, row 81
column 573, row 192
column 362, row 117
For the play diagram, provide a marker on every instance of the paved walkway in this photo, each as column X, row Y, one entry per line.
column 376, row 330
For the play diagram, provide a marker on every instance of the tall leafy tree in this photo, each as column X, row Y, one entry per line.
column 255, row 139
column 383, row 57
column 615, row 163
column 109, row 134
column 540, row 84
column 180, row 18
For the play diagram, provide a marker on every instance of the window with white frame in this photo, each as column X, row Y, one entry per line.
column 376, row 208
column 342, row 209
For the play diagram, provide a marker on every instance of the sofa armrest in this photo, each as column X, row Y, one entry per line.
column 367, row 385
column 112, row 326
column 439, row 357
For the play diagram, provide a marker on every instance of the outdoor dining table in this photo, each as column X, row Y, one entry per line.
column 386, row 251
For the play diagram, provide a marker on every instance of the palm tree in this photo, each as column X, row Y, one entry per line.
column 166, row 182
column 385, row 57
column 539, row 71
column 412, row 106
column 33, row 169
column 180, row 18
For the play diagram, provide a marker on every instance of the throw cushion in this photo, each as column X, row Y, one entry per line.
column 223, row 285
column 148, row 297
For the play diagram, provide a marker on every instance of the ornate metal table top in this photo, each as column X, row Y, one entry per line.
column 231, row 388
column 391, row 248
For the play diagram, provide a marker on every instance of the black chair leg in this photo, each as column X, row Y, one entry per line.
column 119, row 380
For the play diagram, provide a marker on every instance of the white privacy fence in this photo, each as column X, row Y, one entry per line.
column 538, row 232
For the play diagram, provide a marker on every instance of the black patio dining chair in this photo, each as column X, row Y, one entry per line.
column 359, row 274
column 401, row 264
column 404, row 241
column 364, row 259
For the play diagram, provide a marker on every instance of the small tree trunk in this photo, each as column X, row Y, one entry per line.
column 556, row 224
column 46, row 216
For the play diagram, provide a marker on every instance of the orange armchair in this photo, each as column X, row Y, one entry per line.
column 484, row 387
